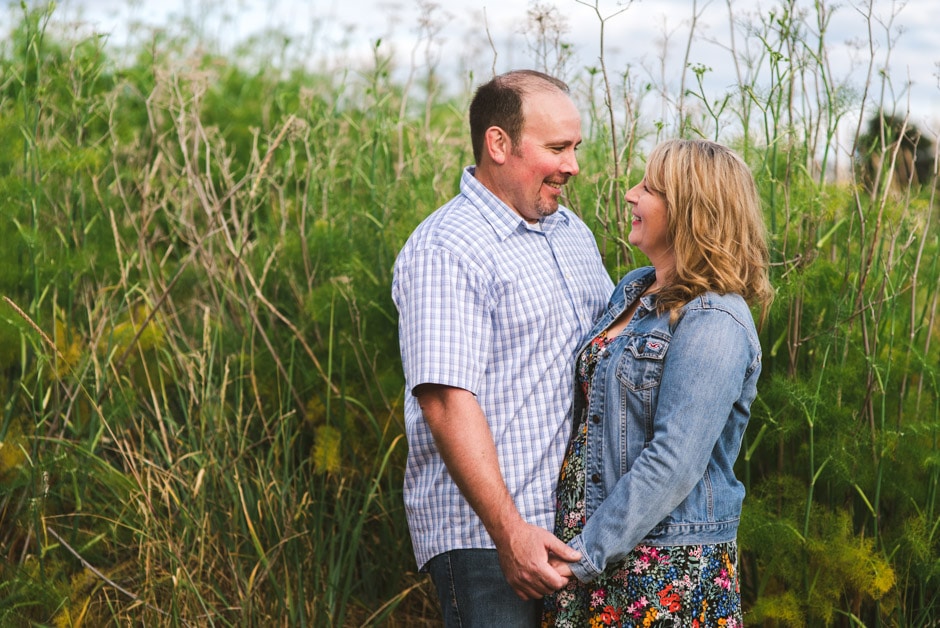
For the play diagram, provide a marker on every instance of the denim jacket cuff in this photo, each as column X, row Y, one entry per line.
column 584, row 570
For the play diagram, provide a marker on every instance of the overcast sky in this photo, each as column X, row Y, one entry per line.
column 345, row 31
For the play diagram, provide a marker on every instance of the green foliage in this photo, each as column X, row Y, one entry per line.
column 782, row 608
column 186, row 337
column 200, row 388
column 831, row 566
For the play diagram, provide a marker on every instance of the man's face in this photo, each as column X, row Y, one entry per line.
column 544, row 159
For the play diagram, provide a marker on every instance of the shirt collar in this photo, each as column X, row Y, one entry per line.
column 639, row 285
column 501, row 216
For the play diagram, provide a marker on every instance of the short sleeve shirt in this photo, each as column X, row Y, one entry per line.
column 498, row 307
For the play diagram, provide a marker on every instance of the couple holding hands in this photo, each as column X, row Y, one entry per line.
column 572, row 443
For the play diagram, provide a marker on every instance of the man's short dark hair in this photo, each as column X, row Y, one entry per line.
column 499, row 103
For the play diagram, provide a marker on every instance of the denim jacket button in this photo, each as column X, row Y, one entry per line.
column 596, row 478
column 595, row 419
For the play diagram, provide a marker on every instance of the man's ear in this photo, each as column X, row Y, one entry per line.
column 497, row 144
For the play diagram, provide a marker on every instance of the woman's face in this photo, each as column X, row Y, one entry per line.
column 649, row 227
column 537, row 169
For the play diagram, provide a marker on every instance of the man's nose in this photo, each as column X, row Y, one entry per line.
column 570, row 165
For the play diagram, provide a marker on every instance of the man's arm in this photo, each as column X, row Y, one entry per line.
column 465, row 442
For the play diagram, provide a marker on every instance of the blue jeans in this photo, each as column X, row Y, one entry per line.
column 474, row 592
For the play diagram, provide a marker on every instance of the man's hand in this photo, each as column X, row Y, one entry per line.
column 527, row 554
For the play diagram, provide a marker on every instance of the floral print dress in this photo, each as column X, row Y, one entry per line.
column 689, row 586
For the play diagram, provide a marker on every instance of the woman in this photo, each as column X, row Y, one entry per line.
column 647, row 491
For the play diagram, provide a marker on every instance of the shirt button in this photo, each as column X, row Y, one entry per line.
column 596, row 478
column 595, row 419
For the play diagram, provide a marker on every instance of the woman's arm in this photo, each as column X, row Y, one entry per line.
column 704, row 369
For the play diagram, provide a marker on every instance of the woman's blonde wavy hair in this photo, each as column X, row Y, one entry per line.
column 715, row 223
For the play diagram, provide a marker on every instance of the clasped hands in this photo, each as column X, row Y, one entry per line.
column 536, row 562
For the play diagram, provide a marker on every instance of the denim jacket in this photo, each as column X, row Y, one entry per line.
column 667, row 409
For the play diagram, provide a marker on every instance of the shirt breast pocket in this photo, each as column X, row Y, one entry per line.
column 641, row 366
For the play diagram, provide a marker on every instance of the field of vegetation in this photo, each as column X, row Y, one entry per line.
column 200, row 388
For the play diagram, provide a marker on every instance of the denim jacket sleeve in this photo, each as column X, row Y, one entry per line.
column 712, row 355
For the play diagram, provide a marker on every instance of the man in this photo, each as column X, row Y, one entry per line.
column 495, row 291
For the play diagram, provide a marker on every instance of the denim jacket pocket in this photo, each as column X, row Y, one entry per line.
column 639, row 371
column 641, row 367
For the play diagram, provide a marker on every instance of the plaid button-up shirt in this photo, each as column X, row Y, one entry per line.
column 497, row 307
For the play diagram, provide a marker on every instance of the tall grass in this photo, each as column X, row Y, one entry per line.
column 201, row 395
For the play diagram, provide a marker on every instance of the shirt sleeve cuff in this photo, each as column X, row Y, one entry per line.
column 584, row 570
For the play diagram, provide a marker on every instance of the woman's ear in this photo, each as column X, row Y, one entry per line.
column 497, row 144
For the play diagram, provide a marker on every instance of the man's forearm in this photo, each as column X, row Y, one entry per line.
column 464, row 440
